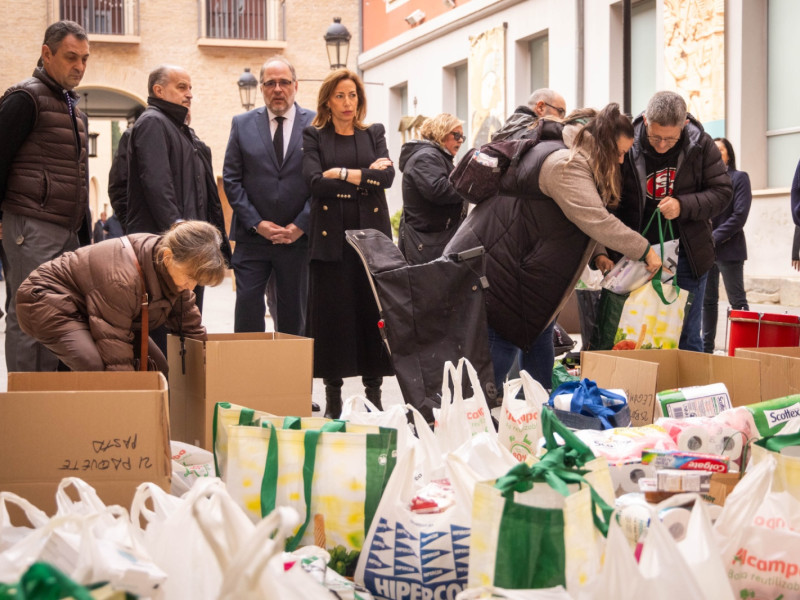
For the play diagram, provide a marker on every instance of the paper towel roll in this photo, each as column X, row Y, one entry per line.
column 731, row 443
column 626, row 476
column 676, row 520
column 694, row 439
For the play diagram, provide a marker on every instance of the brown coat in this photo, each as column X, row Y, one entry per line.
column 98, row 288
column 47, row 180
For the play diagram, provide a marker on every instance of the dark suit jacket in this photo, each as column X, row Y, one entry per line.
column 327, row 228
column 257, row 188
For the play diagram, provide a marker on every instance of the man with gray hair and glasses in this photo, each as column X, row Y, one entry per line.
column 675, row 166
column 264, row 183
column 543, row 102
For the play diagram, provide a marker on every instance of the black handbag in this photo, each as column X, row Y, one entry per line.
column 420, row 247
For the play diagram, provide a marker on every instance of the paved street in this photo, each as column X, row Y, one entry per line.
column 218, row 318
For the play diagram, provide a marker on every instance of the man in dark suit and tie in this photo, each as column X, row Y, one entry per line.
column 263, row 177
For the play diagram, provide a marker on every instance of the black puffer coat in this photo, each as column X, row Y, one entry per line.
column 528, row 242
column 539, row 240
column 702, row 186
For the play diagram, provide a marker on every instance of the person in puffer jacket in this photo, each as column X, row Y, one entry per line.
column 432, row 208
column 540, row 235
column 86, row 306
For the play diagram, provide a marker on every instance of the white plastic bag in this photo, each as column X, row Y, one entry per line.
column 357, row 409
column 88, row 541
column 520, row 424
column 554, row 593
column 460, row 418
column 628, row 275
column 189, row 463
column 666, row 569
column 174, row 539
column 411, row 554
column 254, row 569
column 11, row 534
column 759, row 547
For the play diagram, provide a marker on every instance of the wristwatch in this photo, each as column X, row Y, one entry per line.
column 253, row 231
column 342, row 173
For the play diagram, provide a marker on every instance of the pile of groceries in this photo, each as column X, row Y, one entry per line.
column 549, row 496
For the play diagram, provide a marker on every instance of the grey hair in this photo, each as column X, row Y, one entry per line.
column 277, row 58
column 542, row 95
column 160, row 76
column 667, row 109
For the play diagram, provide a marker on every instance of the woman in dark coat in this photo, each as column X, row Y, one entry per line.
column 348, row 168
column 86, row 306
column 730, row 248
column 432, row 209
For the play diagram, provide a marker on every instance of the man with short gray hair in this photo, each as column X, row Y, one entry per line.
column 543, row 102
column 675, row 166
column 44, row 181
column 170, row 176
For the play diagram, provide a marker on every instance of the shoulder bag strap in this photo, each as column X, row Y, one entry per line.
column 126, row 243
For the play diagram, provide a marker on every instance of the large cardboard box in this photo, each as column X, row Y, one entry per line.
column 643, row 373
column 265, row 371
column 109, row 429
column 780, row 370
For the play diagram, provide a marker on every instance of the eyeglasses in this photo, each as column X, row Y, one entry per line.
column 273, row 83
column 657, row 139
column 459, row 137
column 561, row 111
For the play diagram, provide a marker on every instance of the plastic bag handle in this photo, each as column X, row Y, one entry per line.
column 36, row 516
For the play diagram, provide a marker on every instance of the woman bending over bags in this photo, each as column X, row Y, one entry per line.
column 86, row 306
column 541, row 235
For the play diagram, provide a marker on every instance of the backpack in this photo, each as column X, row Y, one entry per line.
column 477, row 175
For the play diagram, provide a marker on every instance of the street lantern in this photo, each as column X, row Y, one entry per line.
column 93, row 145
column 247, row 89
column 337, row 40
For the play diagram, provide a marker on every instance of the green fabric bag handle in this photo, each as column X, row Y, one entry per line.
column 776, row 443
column 559, row 467
column 579, row 453
column 246, row 417
column 44, row 582
column 269, row 482
column 656, row 280
column 214, row 434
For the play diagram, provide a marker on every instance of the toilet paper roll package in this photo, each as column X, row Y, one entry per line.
column 695, row 401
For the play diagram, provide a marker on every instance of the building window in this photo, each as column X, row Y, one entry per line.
column 643, row 56
column 783, row 90
column 539, row 52
column 243, row 19
column 103, row 17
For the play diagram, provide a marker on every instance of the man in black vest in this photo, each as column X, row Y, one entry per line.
column 44, row 179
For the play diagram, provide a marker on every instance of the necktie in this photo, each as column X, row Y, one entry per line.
column 277, row 140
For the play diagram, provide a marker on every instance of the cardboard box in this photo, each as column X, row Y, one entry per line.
column 271, row 372
column 109, row 429
column 642, row 373
column 780, row 370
